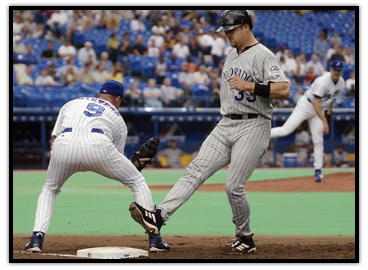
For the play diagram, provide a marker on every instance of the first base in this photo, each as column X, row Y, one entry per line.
column 111, row 253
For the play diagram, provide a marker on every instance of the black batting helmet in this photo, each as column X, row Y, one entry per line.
column 231, row 19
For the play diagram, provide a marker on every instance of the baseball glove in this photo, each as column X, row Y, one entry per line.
column 145, row 153
column 328, row 117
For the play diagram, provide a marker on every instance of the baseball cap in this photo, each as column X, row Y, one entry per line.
column 113, row 88
column 337, row 64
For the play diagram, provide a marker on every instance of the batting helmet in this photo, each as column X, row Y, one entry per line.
column 231, row 19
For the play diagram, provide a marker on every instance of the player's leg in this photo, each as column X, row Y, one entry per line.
column 246, row 152
column 294, row 120
column 103, row 158
column 213, row 155
column 316, row 128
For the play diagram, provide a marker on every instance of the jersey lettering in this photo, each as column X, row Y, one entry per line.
column 253, row 97
column 94, row 110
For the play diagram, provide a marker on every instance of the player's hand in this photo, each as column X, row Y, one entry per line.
column 237, row 83
column 326, row 129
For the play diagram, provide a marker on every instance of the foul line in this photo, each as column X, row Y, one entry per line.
column 47, row 254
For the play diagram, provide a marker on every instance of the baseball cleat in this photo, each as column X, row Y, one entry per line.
column 151, row 221
column 157, row 244
column 240, row 245
column 35, row 245
column 319, row 176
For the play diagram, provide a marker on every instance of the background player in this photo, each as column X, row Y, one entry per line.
column 90, row 135
column 251, row 79
column 322, row 94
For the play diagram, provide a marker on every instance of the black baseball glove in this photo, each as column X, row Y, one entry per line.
column 145, row 153
column 328, row 117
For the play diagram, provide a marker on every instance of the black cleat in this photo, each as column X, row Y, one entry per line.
column 35, row 245
column 151, row 221
column 240, row 245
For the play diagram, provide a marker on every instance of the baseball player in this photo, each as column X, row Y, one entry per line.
column 90, row 135
column 321, row 95
column 251, row 78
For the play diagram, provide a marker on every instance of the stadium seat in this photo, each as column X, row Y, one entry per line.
column 36, row 100
column 56, row 100
column 201, row 93
column 129, row 79
column 174, row 77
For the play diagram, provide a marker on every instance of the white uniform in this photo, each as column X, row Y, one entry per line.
column 325, row 89
column 239, row 141
column 91, row 136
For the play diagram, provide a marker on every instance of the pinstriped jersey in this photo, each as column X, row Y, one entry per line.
column 255, row 64
column 88, row 113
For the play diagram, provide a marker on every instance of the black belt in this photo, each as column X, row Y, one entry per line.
column 96, row 130
column 241, row 116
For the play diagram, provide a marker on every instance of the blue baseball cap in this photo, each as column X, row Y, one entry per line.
column 113, row 88
column 337, row 64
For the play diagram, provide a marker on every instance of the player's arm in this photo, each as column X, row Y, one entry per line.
column 320, row 114
column 274, row 90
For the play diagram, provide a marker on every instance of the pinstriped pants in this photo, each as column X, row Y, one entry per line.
column 238, row 142
column 81, row 151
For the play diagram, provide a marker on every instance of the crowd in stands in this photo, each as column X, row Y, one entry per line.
column 165, row 58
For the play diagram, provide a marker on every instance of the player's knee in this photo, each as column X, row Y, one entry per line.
column 234, row 191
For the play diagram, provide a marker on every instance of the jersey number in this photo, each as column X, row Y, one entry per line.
column 241, row 97
column 94, row 110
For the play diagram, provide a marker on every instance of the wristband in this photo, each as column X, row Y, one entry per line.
column 262, row 90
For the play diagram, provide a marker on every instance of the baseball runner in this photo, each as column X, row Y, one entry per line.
column 321, row 95
column 251, row 79
column 90, row 135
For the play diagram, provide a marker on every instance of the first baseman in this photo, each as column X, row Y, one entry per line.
column 90, row 135
column 251, row 79
column 322, row 94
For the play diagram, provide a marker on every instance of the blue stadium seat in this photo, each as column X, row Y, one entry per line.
column 36, row 100
column 135, row 63
column 174, row 77
column 19, row 99
column 56, row 100
column 129, row 79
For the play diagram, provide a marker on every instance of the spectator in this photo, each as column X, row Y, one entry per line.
column 311, row 75
column 185, row 34
column 302, row 144
column 63, row 69
column 70, row 77
column 67, row 51
column 186, row 80
column 201, row 77
column 58, row 20
column 44, row 78
column 350, row 83
column 169, row 41
column 85, row 74
column 268, row 159
column 50, row 53
column 74, row 23
column 331, row 51
column 105, row 59
column 284, row 67
column 321, row 46
column 139, row 48
column 160, row 70
column 206, row 41
column 113, row 45
column 336, row 39
column 23, row 76
column 194, row 47
column 340, row 156
column 173, row 154
column 159, row 40
column 87, row 53
column 38, row 32
column 125, row 47
column 215, row 91
column 153, row 50
column 180, row 49
column 53, row 72
column 113, row 21
column 176, row 27
column 101, row 74
column 282, row 52
column 337, row 56
column 218, row 48
column 349, row 56
column 152, row 95
column 194, row 14
column 159, row 28
column 18, row 47
column 299, row 93
column 134, row 95
column 88, row 20
column 127, row 14
column 318, row 68
column 116, row 73
column 137, row 24
column 30, row 25
column 171, row 96
column 30, row 56
column 298, row 77
column 291, row 63
column 17, row 25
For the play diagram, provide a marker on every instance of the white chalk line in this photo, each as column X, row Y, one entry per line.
column 47, row 254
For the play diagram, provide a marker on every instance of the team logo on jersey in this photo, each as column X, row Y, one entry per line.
column 275, row 70
column 237, row 72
